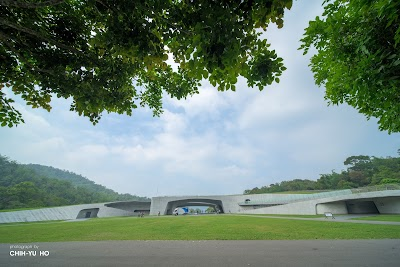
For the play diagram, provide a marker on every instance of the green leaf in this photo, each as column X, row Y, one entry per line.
column 97, row 54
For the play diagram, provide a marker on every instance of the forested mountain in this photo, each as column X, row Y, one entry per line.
column 80, row 181
column 27, row 186
column 361, row 171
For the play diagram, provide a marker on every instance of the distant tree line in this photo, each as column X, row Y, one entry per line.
column 29, row 186
column 361, row 171
column 195, row 210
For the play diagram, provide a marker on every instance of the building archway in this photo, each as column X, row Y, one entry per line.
column 88, row 213
column 217, row 204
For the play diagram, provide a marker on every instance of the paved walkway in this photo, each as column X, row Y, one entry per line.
column 207, row 253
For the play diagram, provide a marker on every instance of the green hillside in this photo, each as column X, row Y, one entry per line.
column 30, row 186
column 80, row 181
column 361, row 171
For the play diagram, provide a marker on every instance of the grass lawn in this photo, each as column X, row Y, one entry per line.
column 286, row 215
column 217, row 227
column 378, row 217
column 27, row 223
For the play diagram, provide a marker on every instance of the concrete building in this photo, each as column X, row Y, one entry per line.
column 338, row 202
column 100, row 210
column 349, row 201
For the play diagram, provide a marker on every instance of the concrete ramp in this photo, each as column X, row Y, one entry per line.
column 63, row 213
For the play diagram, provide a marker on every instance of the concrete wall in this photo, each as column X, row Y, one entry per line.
column 62, row 213
column 334, row 207
column 133, row 207
column 388, row 205
column 299, row 208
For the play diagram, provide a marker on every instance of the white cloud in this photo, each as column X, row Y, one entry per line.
column 271, row 106
column 173, row 123
column 208, row 102
column 90, row 153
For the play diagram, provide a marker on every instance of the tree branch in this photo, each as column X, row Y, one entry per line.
column 12, row 3
column 101, row 2
column 38, row 35
column 6, row 39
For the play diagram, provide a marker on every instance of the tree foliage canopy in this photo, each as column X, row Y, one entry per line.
column 111, row 55
column 358, row 56
column 361, row 171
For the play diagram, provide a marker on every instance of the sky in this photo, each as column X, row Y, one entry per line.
column 212, row 143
